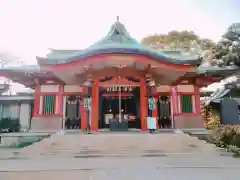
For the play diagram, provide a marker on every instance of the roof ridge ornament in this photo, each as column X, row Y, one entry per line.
column 117, row 18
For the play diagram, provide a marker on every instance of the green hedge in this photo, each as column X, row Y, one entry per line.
column 227, row 136
column 9, row 125
column 28, row 142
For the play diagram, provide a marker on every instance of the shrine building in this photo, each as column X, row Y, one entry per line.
column 119, row 75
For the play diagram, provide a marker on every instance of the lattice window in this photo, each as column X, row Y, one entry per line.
column 187, row 106
column 48, row 104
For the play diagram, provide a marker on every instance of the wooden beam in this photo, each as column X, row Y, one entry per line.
column 115, row 81
column 145, row 60
column 123, row 72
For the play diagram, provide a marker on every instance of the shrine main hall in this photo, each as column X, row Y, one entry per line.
column 120, row 76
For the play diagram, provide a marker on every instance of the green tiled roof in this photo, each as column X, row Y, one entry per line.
column 116, row 36
column 117, row 41
column 216, row 70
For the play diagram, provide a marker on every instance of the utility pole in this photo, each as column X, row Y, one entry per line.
column 151, row 107
column 88, row 104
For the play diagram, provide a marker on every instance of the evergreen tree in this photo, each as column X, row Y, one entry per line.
column 228, row 49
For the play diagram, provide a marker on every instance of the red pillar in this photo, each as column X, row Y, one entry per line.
column 174, row 102
column 36, row 100
column 83, row 115
column 60, row 100
column 95, row 106
column 143, row 104
column 83, row 111
column 197, row 100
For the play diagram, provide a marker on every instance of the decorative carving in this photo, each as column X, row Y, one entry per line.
column 119, row 89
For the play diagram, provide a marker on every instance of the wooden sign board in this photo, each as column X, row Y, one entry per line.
column 119, row 89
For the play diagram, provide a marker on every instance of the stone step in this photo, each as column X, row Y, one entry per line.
column 71, row 145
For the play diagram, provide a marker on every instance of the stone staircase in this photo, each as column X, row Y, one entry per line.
column 117, row 144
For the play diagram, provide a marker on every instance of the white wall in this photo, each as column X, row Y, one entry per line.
column 24, row 117
column 21, row 111
column 49, row 88
column 14, row 110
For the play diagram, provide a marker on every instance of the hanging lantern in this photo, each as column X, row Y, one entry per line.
column 72, row 101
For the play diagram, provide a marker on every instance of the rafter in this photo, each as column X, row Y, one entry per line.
column 119, row 81
column 117, row 72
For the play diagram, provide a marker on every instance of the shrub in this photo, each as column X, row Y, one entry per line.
column 212, row 124
column 27, row 143
column 9, row 125
column 213, row 119
column 225, row 136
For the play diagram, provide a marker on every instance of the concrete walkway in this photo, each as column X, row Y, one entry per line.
column 107, row 144
column 185, row 167
column 157, row 156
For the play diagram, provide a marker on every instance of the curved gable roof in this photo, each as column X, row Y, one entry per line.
column 117, row 41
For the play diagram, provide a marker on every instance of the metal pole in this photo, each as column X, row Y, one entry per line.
column 150, row 110
column 150, row 96
column 119, row 101
column 89, row 110
column 90, row 116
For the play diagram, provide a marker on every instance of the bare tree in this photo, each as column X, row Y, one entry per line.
column 185, row 41
column 8, row 59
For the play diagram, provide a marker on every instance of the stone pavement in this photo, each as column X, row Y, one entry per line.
column 185, row 167
column 71, row 145
column 158, row 156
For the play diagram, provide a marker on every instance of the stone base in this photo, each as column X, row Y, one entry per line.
column 46, row 124
column 115, row 125
column 9, row 139
column 188, row 122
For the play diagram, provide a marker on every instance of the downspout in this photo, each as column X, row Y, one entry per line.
column 30, row 120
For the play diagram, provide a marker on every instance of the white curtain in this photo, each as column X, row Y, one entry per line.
column 5, row 113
